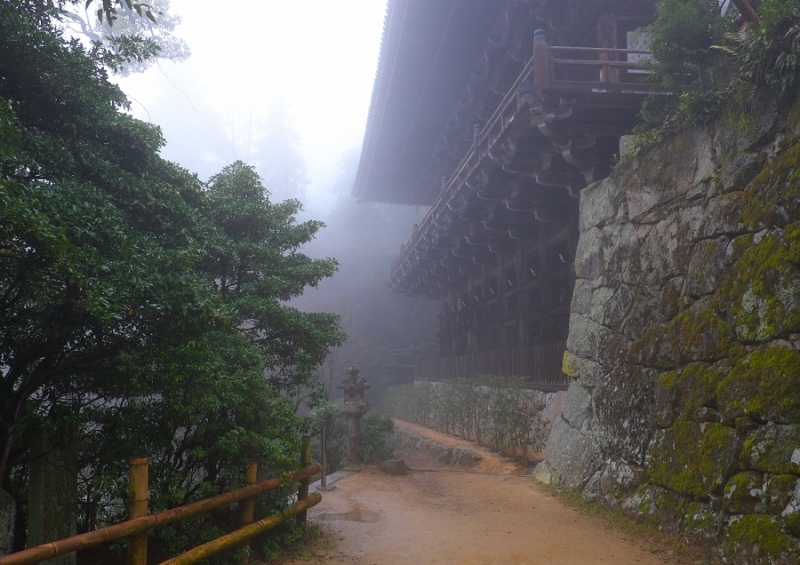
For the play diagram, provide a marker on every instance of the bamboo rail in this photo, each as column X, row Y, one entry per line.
column 144, row 523
column 233, row 539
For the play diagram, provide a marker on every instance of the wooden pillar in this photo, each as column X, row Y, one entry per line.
column 541, row 59
column 137, row 507
column 247, row 509
column 607, row 37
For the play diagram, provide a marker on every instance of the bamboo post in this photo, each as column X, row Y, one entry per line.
column 137, row 507
column 324, row 448
column 305, row 461
column 248, row 507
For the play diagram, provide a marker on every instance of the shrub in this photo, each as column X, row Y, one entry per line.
column 492, row 410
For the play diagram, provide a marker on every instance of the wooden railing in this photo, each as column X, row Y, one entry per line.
column 135, row 529
column 540, row 363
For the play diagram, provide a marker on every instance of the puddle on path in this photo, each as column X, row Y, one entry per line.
column 357, row 514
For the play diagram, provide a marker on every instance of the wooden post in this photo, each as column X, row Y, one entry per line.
column 541, row 59
column 248, row 506
column 305, row 461
column 324, row 448
column 607, row 37
column 747, row 11
column 137, row 507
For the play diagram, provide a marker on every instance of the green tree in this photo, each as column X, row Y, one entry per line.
column 129, row 26
column 260, row 267
column 147, row 302
column 98, row 233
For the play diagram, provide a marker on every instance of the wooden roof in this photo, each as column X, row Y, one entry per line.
column 444, row 64
column 428, row 50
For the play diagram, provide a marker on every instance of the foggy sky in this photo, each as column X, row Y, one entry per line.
column 320, row 56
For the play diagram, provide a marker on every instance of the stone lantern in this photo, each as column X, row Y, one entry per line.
column 353, row 407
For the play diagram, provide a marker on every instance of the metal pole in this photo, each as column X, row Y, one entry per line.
column 137, row 507
column 248, row 506
column 305, row 461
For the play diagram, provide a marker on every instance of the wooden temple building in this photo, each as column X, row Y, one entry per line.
column 494, row 114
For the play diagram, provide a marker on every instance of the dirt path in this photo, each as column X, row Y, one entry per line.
column 464, row 518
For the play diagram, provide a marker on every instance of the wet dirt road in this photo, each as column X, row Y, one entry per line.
column 464, row 518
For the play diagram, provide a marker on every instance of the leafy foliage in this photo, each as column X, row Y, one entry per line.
column 703, row 65
column 148, row 304
column 377, row 432
column 770, row 52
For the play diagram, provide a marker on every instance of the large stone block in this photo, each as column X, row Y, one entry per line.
column 689, row 393
column 600, row 204
column 586, row 371
column 744, row 493
column 761, row 294
column 577, row 407
column 582, row 297
column 758, row 539
column 572, row 457
column 773, row 448
column 610, row 305
column 623, row 404
column 707, row 266
column 698, row 333
column 594, row 341
column 589, row 259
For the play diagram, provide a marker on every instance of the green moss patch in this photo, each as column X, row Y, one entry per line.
column 778, row 491
column 756, row 539
column 763, row 384
column 697, row 334
column 744, row 493
column 773, row 448
column 762, row 295
column 682, row 394
column 694, row 459
column 773, row 198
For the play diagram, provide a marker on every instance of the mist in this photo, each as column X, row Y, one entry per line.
column 286, row 88
column 313, row 59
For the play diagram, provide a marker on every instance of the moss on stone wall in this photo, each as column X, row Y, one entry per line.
column 761, row 297
column 757, row 538
column 765, row 385
column 704, row 239
column 694, row 459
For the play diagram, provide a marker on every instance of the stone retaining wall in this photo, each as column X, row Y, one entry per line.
column 684, row 403
column 407, row 441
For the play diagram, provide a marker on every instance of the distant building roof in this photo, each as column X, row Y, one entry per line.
column 428, row 50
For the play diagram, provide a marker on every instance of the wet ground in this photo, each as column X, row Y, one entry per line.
column 471, row 517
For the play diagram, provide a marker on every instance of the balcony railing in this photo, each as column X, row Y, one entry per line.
column 538, row 75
